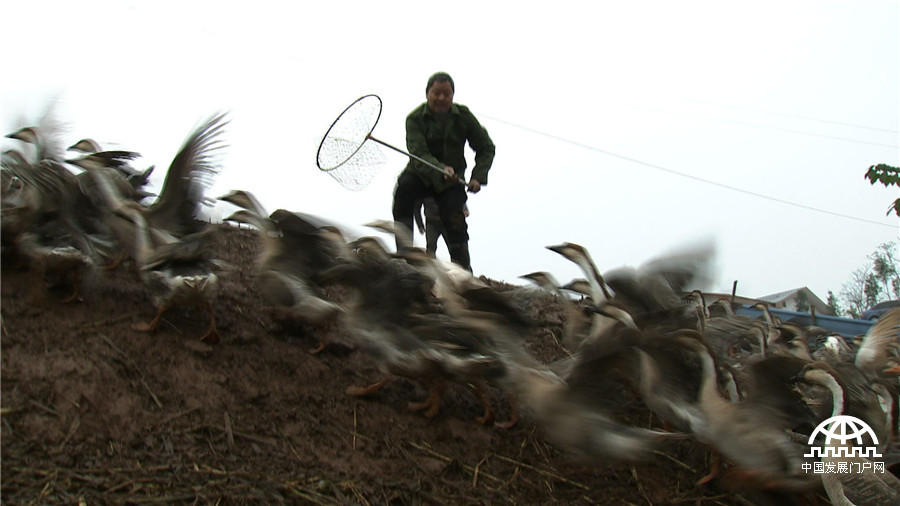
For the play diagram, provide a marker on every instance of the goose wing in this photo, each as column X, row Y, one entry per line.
column 189, row 174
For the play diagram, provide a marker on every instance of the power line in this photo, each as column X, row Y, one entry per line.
column 767, row 127
column 685, row 175
column 789, row 115
column 789, row 130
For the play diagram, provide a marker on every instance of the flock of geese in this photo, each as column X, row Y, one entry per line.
column 752, row 390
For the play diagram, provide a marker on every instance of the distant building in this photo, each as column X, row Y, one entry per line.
column 792, row 299
column 783, row 307
column 788, row 299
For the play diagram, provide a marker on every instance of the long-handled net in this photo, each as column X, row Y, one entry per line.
column 344, row 153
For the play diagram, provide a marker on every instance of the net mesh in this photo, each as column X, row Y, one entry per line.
column 344, row 153
column 357, row 172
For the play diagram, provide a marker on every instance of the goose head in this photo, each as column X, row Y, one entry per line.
column 579, row 255
column 85, row 146
column 245, row 200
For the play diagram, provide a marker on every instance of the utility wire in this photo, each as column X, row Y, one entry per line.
column 689, row 176
column 788, row 115
column 763, row 126
column 768, row 127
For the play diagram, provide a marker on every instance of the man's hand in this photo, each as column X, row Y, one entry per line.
column 474, row 186
column 449, row 173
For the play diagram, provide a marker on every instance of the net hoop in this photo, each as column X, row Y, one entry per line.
column 355, row 122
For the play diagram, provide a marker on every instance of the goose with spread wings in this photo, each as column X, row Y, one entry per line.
column 170, row 245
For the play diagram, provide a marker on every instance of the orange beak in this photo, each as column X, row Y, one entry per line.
column 894, row 371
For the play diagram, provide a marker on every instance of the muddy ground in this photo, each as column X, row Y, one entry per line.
column 97, row 413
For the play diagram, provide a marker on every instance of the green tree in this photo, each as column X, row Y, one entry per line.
column 853, row 292
column 874, row 282
column 872, row 289
column 888, row 176
column 834, row 304
column 884, row 265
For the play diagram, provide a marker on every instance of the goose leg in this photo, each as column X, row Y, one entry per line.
column 212, row 334
column 431, row 405
column 488, row 416
column 152, row 324
column 325, row 328
column 75, row 279
column 356, row 391
column 514, row 413
column 74, row 297
column 715, row 467
column 116, row 262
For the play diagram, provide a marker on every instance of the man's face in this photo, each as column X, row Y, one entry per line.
column 440, row 96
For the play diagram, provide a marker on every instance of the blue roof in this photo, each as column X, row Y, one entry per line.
column 847, row 327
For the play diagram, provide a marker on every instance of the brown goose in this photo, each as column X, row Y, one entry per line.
column 746, row 433
column 580, row 286
column 577, row 321
column 651, row 356
column 669, row 380
column 117, row 160
column 177, row 273
column 58, row 255
column 454, row 286
column 294, row 252
column 85, row 146
column 579, row 255
column 879, row 350
column 175, row 212
column 654, row 288
column 457, row 302
column 191, row 172
column 180, row 269
column 870, row 389
column 48, row 220
column 647, row 295
column 580, row 426
column 105, row 190
column 862, row 484
column 388, row 322
column 43, row 140
column 793, row 340
column 579, row 405
column 599, row 292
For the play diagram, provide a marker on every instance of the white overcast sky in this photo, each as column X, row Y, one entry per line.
column 629, row 127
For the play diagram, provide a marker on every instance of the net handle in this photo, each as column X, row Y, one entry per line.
column 417, row 158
